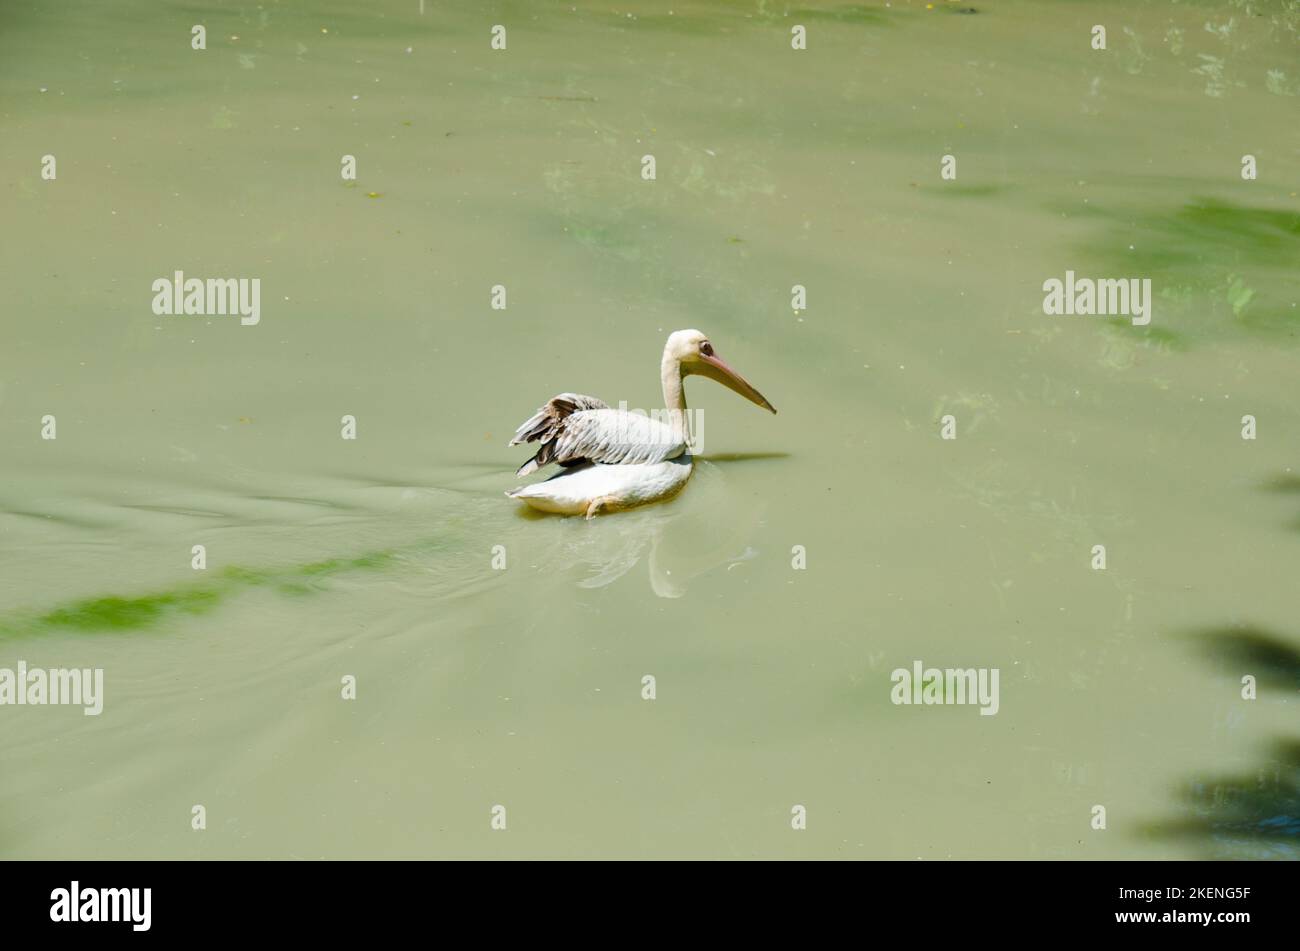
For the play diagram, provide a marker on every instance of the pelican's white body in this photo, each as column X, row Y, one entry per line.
column 573, row 491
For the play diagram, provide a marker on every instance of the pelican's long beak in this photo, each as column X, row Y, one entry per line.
column 715, row 368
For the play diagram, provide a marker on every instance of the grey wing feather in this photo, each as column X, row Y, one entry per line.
column 547, row 424
column 574, row 429
column 615, row 438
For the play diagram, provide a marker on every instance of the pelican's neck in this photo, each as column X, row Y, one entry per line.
column 670, row 374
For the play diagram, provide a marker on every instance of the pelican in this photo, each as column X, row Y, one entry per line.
column 614, row 459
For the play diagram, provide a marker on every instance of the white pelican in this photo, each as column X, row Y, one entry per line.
column 614, row 459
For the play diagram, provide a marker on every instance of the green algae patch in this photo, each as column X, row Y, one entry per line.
column 118, row 613
column 1218, row 269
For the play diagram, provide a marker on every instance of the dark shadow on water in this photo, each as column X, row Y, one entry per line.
column 1253, row 814
column 859, row 14
column 743, row 456
column 529, row 514
column 1236, row 651
column 952, row 190
column 707, row 22
column 1247, row 815
column 1286, row 484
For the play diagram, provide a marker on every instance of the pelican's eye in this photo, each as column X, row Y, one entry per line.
column 706, row 348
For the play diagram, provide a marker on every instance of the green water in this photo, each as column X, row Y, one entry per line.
column 522, row 687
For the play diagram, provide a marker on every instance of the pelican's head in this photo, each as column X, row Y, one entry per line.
column 693, row 353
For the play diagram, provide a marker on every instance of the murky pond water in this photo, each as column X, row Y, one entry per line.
column 373, row 558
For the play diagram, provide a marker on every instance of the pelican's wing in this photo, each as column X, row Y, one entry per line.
column 546, row 422
column 574, row 429
column 546, row 425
